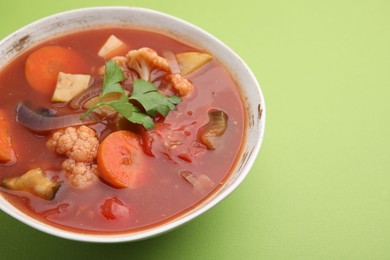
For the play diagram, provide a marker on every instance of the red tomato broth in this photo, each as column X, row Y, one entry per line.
column 167, row 194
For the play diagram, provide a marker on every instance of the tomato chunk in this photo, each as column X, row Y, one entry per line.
column 177, row 144
column 113, row 209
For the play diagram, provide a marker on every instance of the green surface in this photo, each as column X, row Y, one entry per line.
column 320, row 188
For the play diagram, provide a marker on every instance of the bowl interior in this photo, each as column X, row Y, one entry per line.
column 145, row 19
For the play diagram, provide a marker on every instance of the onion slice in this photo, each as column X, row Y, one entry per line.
column 156, row 74
column 201, row 183
column 41, row 122
column 172, row 62
column 93, row 91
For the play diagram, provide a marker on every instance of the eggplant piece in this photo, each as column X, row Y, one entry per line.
column 214, row 128
column 35, row 182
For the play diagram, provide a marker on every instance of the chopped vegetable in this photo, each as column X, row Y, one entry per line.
column 190, row 61
column 182, row 85
column 145, row 61
column 201, row 183
column 113, row 209
column 34, row 181
column 7, row 153
column 69, row 85
column 40, row 120
column 77, row 143
column 214, row 128
column 103, row 110
column 80, row 145
column 172, row 61
column 93, row 91
column 144, row 94
column 120, row 160
column 113, row 75
column 174, row 143
column 55, row 211
column 80, row 175
column 43, row 65
column 151, row 100
column 112, row 47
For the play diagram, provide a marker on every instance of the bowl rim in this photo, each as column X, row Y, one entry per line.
column 177, row 221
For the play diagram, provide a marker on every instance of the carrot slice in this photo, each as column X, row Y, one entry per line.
column 7, row 153
column 43, row 65
column 120, row 160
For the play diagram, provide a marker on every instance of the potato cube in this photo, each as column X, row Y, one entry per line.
column 190, row 61
column 112, row 47
column 69, row 85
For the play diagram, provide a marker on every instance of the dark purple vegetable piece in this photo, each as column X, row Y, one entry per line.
column 214, row 128
column 39, row 120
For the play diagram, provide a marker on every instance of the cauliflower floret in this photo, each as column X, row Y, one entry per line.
column 79, row 144
column 146, row 62
column 181, row 85
column 143, row 63
column 80, row 174
column 149, row 56
column 121, row 61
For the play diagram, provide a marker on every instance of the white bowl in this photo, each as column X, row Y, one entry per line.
column 73, row 20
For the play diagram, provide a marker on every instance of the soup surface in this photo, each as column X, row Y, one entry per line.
column 173, row 165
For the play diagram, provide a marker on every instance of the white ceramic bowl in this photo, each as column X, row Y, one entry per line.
column 149, row 20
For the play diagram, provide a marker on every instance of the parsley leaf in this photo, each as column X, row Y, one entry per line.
column 153, row 101
column 144, row 93
column 112, row 77
column 123, row 106
column 141, row 118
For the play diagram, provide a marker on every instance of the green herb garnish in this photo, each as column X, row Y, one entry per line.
column 145, row 94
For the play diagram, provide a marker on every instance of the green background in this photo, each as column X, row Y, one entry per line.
column 320, row 187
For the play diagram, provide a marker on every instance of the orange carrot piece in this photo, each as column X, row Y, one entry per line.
column 43, row 65
column 120, row 160
column 7, row 153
